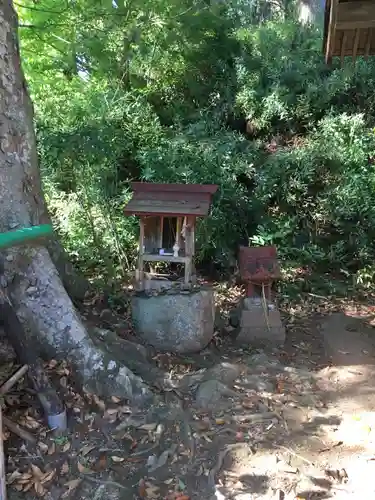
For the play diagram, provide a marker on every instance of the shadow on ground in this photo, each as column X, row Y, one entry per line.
column 318, row 414
column 289, row 422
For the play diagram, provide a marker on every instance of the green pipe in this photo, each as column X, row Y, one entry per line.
column 24, row 235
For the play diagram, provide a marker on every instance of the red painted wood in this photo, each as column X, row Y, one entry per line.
column 180, row 199
column 181, row 188
column 171, row 195
column 259, row 264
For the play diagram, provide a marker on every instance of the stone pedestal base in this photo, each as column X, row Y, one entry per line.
column 180, row 322
column 253, row 324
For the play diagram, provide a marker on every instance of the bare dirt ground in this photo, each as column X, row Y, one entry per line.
column 297, row 423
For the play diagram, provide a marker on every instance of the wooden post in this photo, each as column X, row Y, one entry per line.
column 192, row 232
column 355, row 46
column 343, row 47
column 160, row 243
column 176, row 246
column 331, row 30
column 189, row 248
column 139, row 273
column 368, row 43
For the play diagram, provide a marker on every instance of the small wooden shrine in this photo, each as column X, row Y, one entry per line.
column 258, row 268
column 260, row 320
column 349, row 29
column 168, row 215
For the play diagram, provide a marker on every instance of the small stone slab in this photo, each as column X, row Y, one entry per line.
column 253, row 325
column 179, row 322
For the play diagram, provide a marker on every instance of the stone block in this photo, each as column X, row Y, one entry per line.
column 181, row 322
column 253, row 325
column 255, row 318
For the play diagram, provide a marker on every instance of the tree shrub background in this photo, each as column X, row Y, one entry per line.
column 160, row 91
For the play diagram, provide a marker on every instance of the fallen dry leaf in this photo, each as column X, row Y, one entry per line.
column 248, row 403
column 280, row 386
column 126, row 436
column 25, row 478
column 11, row 478
column 100, row 403
column 206, row 437
column 66, row 447
column 63, row 371
column 86, row 449
column 52, row 364
column 101, row 464
column 134, row 444
column 111, row 411
column 48, row 476
column 28, row 486
column 202, row 425
column 71, row 485
column 64, row 382
column 64, row 468
column 43, row 447
column 148, row 427
column 111, row 414
column 12, row 400
column 144, row 439
column 39, row 490
column 152, row 491
column 83, row 470
column 52, row 448
column 34, row 478
column 142, row 488
column 219, row 421
column 37, row 473
column 31, row 423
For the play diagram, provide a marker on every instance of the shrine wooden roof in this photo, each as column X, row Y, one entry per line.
column 349, row 29
column 170, row 199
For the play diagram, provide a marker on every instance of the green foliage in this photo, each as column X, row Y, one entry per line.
column 201, row 153
column 322, row 194
column 159, row 91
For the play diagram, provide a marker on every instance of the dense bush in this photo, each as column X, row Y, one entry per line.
column 208, row 94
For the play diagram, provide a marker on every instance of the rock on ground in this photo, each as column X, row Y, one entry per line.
column 210, row 393
column 225, row 372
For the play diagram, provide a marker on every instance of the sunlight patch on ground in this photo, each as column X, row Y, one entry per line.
column 350, row 373
column 357, row 430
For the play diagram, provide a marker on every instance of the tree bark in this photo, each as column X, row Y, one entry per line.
column 27, row 355
column 75, row 284
column 311, row 11
column 32, row 281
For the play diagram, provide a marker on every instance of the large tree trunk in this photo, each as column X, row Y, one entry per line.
column 31, row 279
column 75, row 284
